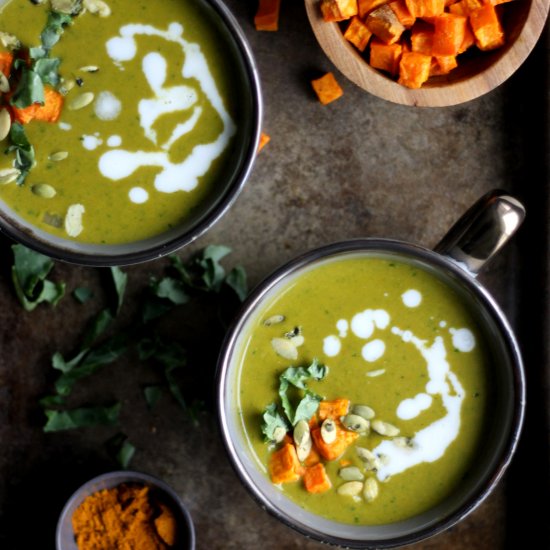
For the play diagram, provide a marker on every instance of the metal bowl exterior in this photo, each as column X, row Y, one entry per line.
column 485, row 301
column 134, row 253
column 64, row 538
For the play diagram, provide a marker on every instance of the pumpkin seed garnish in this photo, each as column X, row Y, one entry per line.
column 274, row 320
column 9, row 175
column 73, row 220
column 97, row 7
column 384, row 428
column 285, row 348
column 370, row 461
column 60, row 155
column 350, row 488
column 5, row 124
column 356, row 423
column 328, row 431
column 374, row 373
column 301, row 432
column 9, row 41
column 351, row 473
column 69, row 7
column 4, row 83
column 370, row 491
column 363, row 410
column 89, row 69
column 297, row 340
column 279, row 434
column 43, row 190
column 67, row 86
column 81, row 101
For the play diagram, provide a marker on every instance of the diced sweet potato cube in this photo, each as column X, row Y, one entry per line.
column 49, row 112
column 284, row 466
column 443, row 65
column 383, row 23
column 472, row 5
column 469, row 39
column 487, row 29
column 364, row 7
column 385, row 57
column 334, row 450
column 422, row 38
column 333, row 409
column 327, row 88
column 267, row 16
column 425, row 8
column 338, row 10
column 402, row 11
column 316, row 479
column 449, row 32
column 312, row 458
column 414, row 69
column 6, row 61
column 358, row 33
column 458, row 9
column 264, row 140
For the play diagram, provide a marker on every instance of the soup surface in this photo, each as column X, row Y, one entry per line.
column 147, row 122
column 401, row 351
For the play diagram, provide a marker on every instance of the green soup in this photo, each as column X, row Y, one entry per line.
column 395, row 338
column 158, row 131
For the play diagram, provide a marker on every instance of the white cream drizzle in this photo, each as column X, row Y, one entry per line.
column 411, row 298
column 119, row 163
column 331, row 346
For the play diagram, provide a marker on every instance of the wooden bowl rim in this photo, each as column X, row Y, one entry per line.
column 349, row 61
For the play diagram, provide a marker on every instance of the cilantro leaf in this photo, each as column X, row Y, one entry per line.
column 171, row 289
column 55, row 26
column 81, row 417
column 29, row 91
column 48, row 70
column 120, row 279
column 237, row 281
column 29, row 273
column 82, row 294
column 307, row 407
column 24, row 151
column 120, row 449
column 272, row 419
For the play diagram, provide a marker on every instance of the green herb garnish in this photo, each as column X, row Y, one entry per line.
column 82, row 294
column 273, row 419
column 120, row 280
column 29, row 273
column 24, row 151
column 81, row 417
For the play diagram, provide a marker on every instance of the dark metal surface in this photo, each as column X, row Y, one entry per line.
column 360, row 167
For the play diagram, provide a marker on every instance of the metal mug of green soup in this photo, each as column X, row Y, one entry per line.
column 141, row 198
column 456, row 261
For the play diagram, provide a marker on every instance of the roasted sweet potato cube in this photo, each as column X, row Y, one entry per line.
column 403, row 14
column 443, row 65
column 358, row 33
column 422, row 38
column 385, row 25
column 425, row 8
column 316, row 479
column 333, row 409
column 414, row 69
column 284, row 466
column 487, row 28
column 364, row 7
column 449, row 32
column 327, row 88
column 338, row 10
column 385, row 57
column 267, row 16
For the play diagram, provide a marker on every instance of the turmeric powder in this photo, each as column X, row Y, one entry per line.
column 126, row 517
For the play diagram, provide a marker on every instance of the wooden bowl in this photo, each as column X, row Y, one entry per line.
column 476, row 74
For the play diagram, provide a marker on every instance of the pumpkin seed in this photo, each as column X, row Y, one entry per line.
column 73, row 220
column 370, row 461
column 405, row 442
column 362, row 410
column 285, row 348
column 297, row 340
column 374, row 373
column 81, row 101
column 328, row 431
column 69, row 7
column 303, row 450
column 53, row 219
column 350, row 489
column 279, row 434
column 9, row 41
column 4, row 83
column 9, row 175
column 97, row 7
column 356, row 423
column 60, row 155
column 301, row 433
column 67, row 86
column 384, row 428
column 274, row 320
column 370, row 491
column 5, row 124
column 43, row 190
column 351, row 473
column 89, row 69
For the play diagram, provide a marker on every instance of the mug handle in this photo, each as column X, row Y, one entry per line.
column 482, row 231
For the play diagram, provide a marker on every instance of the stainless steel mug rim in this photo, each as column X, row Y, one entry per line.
column 436, row 260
